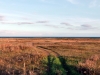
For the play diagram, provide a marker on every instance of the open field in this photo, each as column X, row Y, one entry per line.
column 49, row 56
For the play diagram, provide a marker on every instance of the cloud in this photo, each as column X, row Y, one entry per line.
column 86, row 27
column 65, row 23
column 6, row 32
column 73, row 1
column 1, row 18
column 26, row 18
column 54, row 26
column 42, row 21
column 43, row 0
column 19, row 23
column 83, row 27
column 15, row 33
column 12, row 33
column 93, row 3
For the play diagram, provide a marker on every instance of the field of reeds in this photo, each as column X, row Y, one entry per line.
column 49, row 56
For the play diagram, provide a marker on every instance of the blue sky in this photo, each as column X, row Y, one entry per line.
column 50, row 18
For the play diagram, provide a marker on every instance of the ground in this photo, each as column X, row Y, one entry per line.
column 86, row 51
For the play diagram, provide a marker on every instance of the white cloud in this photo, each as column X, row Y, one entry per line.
column 73, row 1
column 19, row 23
column 42, row 21
column 19, row 33
column 43, row 0
column 80, row 21
column 93, row 3
column 1, row 17
column 65, row 23
column 87, row 27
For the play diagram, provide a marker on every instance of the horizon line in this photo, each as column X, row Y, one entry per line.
column 49, row 37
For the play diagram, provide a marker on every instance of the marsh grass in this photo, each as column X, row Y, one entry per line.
column 56, row 57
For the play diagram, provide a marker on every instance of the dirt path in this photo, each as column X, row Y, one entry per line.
column 45, row 51
column 40, row 51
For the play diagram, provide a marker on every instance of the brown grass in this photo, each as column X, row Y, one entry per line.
column 22, row 55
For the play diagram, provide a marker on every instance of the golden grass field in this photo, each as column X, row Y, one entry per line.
column 23, row 56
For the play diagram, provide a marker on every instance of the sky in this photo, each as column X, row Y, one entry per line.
column 50, row 18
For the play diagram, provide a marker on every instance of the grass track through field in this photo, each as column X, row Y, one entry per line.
column 48, row 52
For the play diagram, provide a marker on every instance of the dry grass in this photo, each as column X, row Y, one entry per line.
column 23, row 55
